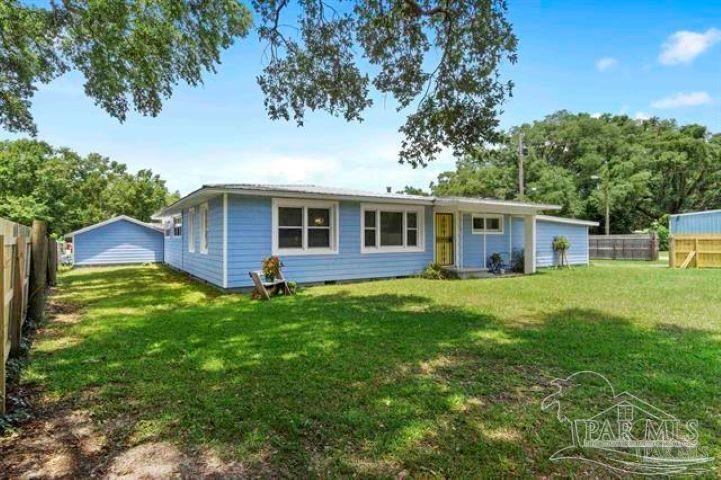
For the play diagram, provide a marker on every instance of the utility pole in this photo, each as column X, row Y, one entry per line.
column 521, row 189
column 608, row 209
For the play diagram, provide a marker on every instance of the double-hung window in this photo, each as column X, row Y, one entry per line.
column 483, row 224
column 204, row 228
column 391, row 228
column 191, row 230
column 304, row 227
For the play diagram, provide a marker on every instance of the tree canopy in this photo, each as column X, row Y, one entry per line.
column 439, row 61
column 70, row 191
column 647, row 169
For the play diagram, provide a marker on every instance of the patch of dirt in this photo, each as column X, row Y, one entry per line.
column 69, row 444
column 148, row 461
column 51, row 448
column 59, row 441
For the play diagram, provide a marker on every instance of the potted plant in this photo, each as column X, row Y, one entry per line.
column 497, row 263
column 271, row 267
column 561, row 246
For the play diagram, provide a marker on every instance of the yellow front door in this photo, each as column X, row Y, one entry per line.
column 444, row 238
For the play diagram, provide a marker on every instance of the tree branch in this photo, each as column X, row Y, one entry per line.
column 419, row 11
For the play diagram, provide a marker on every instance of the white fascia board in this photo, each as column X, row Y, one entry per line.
column 113, row 220
column 572, row 221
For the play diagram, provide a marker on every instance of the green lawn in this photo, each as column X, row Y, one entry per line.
column 373, row 379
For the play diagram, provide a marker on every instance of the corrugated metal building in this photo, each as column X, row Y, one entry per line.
column 708, row 221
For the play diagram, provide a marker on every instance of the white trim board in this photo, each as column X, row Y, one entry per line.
column 113, row 220
column 702, row 212
column 572, row 221
column 225, row 240
column 329, row 194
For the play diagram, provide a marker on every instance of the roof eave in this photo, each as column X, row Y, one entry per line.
column 208, row 191
column 117, row 218
column 493, row 206
column 570, row 221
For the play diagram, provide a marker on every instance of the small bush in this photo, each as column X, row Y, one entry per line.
column 662, row 231
column 561, row 245
column 518, row 261
column 434, row 271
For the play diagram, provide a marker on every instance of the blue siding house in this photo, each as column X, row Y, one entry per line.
column 219, row 233
column 695, row 222
column 120, row 240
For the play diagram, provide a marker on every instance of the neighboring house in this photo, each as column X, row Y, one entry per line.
column 221, row 232
column 708, row 221
column 120, row 240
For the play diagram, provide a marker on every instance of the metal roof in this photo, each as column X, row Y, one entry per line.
column 316, row 191
column 572, row 221
column 702, row 212
column 158, row 228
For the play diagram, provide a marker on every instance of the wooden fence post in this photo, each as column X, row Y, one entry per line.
column 38, row 272
column 16, row 316
column 52, row 262
column 3, row 333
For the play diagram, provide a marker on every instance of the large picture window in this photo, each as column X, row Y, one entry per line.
column 304, row 227
column 391, row 228
column 487, row 224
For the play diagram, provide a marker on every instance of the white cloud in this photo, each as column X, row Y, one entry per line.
column 371, row 168
column 606, row 63
column 596, row 115
column 684, row 46
column 642, row 116
column 678, row 100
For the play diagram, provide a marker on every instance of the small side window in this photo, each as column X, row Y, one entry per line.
column 191, row 230
column 204, row 228
column 178, row 226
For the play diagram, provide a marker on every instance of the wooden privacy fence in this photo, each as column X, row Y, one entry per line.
column 14, row 292
column 698, row 250
column 636, row 246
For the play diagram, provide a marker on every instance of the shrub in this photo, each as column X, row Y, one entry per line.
column 561, row 246
column 518, row 261
column 434, row 271
column 662, row 231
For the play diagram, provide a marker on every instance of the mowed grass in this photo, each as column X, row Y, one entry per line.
column 386, row 378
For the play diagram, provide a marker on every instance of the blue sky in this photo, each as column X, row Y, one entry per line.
column 650, row 57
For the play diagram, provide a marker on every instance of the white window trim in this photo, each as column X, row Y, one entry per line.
column 191, row 230
column 475, row 231
column 305, row 204
column 204, row 229
column 389, row 207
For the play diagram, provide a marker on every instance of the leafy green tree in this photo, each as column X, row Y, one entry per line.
column 409, row 190
column 70, row 191
column 439, row 60
column 639, row 170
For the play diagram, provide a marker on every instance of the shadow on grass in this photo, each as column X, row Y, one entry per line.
column 352, row 383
